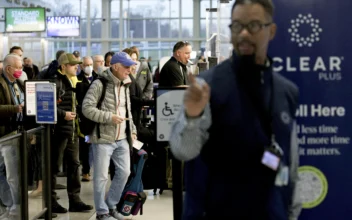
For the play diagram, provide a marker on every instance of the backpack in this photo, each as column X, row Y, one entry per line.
column 86, row 125
column 133, row 197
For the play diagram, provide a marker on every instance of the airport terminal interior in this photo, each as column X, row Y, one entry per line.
column 96, row 27
column 198, row 92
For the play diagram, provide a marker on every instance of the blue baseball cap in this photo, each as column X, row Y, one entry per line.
column 123, row 58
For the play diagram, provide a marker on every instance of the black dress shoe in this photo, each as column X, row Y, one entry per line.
column 60, row 186
column 79, row 207
column 57, row 208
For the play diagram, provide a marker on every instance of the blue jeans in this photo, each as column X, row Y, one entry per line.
column 119, row 152
column 9, row 184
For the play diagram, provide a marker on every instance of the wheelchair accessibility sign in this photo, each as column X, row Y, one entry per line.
column 167, row 111
column 168, row 105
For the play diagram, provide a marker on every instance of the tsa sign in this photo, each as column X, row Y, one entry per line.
column 46, row 103
column 168, row 105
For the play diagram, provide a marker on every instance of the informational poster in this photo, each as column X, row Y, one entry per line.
column 30, row 97
column 312, row 49
column 168, row 105
column 46, row 103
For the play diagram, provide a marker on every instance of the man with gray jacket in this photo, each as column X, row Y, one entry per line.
column 117, row 132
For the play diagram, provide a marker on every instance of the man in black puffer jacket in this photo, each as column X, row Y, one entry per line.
column 65, row 139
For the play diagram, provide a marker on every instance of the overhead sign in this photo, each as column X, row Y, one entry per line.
column 46, row 103
column 25, row 19
column 63, row 26
column 168, row 105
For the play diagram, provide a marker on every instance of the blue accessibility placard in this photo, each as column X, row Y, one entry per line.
column 46, row 103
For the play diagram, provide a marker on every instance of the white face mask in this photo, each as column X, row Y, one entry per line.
column 88, row 70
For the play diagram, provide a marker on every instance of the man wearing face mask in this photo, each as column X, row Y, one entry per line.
column 86, row 77
column 241, row 135
column 175, row 72
column 11, row 115
column 19, row 51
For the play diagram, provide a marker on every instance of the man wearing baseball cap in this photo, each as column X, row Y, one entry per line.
column 65, row 139
column 117, row 132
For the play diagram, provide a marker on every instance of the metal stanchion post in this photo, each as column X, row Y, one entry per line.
column 24, row 175
column 46, row 149
column 177, row 188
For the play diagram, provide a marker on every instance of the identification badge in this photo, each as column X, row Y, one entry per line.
column 282, row 176
column 271, row 160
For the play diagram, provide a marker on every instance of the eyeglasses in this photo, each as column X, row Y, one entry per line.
column 180, row 44
column 252, row 27
column 15, row 68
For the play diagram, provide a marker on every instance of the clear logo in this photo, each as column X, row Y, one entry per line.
column 312, row 37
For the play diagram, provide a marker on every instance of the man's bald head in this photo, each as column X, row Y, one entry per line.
column 11, row 59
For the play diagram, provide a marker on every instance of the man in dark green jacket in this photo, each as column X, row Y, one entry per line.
column 11, row 105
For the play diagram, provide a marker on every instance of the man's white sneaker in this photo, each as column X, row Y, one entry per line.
column 114, row 213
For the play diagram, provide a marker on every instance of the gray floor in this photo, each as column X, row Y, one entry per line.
column 157, row 207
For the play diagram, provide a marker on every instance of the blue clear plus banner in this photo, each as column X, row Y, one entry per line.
column 313, row 49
